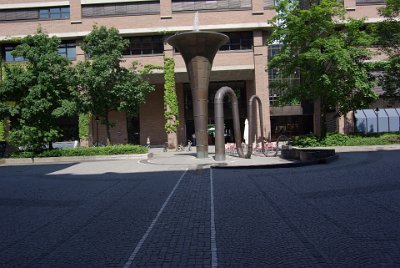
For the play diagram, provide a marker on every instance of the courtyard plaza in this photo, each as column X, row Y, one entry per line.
column 173, row 210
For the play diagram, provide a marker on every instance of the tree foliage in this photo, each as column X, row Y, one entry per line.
column 84, row 123
column 37, row 92
column 2, row 130
column 105, row 85
column 388, row 39
column 330, row 56
column 171, row 109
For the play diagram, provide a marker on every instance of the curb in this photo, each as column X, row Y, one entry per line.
column 46, row 160
column 283, row 165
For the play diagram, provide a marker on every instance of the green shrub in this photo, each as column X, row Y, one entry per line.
column 85, row 151
column 309, row 140
column 2, row 130
column 337, row 139
column 84, row 122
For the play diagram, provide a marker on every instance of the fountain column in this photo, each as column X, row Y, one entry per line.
column 198, row 49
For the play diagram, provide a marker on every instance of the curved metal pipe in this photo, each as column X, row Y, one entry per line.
column 251, row 124
column 219, row 123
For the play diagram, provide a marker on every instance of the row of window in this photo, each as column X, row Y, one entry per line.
column 67, row 50
column 155, row 44
column 135, row 8
column 121, row 9
column 275, row 75
column 47, row 13
column 143, row 45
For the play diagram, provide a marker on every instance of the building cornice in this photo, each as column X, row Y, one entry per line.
column 34, row 4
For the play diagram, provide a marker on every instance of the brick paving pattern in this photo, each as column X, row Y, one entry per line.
column 344, row 214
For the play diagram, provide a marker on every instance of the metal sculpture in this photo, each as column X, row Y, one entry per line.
column 251, row 124
column 198, row 49
column 219, row 123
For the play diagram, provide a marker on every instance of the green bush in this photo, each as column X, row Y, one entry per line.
column 84, row 151
column 2, row 131
column 309, row 140
column 337, row 139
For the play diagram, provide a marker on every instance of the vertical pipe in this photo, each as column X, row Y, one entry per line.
column 251, row 122
column 219, row 123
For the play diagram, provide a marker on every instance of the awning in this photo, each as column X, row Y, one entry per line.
column 377, row 120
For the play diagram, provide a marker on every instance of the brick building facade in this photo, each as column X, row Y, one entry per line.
column 147, row 23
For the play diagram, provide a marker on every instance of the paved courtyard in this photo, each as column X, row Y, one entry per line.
column 130, row 213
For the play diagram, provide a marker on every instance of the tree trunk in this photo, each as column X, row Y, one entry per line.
column 108, row 131
column 323, row 126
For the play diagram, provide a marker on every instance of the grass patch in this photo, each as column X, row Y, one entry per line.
column 337, row 139
column 84, row 151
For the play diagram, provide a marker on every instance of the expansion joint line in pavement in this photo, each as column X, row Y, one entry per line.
column 143, row 239
column 214, row 256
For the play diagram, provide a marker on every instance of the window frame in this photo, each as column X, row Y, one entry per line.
column 54, row 13
column 139, row 45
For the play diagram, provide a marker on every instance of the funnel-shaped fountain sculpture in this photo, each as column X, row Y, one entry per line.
column 198, row 49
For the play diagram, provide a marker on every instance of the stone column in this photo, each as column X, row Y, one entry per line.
column 261, row 79
column 350, row 5
column 317, row 117
column 75, row 11
column 257, row 7
column 165, row 9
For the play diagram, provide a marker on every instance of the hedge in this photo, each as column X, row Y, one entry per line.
column 337, row 139
column 84, row 151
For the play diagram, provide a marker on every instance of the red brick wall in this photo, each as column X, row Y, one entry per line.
column 152, row 118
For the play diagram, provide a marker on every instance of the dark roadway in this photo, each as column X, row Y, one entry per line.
column 342, row 214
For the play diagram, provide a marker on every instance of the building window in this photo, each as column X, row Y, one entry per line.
column 48, row 13
column 54, row 13
column 269, row 3
column 275, row 76
column 19, row 14
column 121, row 9
column 145, row 45
column 68, row 50
column 7, row 55
column 239, row 41
column 370, row 2
column 193, row 5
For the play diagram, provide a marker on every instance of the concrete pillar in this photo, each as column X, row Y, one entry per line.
column 317, row 117
column 350, row 5
column 345, row 123
column 75, row 11
column 261, row 78
column 182, row 138
column 165, row 9
column 257, row 7
column 80, row 54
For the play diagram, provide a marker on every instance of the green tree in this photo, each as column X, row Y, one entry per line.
column 37, row 92
column 330, row 57
column 388, row 39
column 105, row 85
column 171, row 109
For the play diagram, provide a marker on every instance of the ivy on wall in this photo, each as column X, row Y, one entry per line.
column 2, row 130
column 171, row 110
column 2, row 121
column 84, row 120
